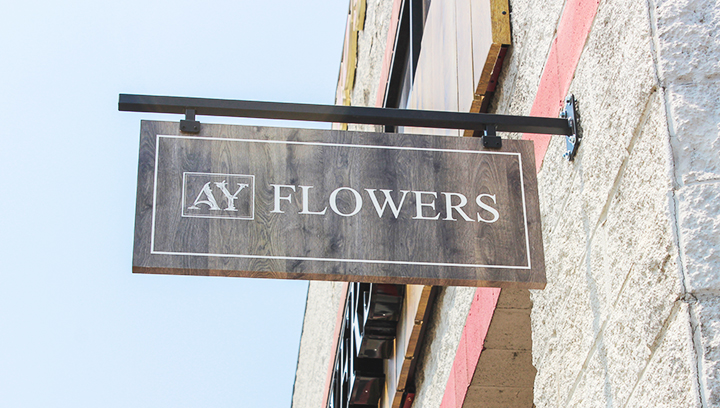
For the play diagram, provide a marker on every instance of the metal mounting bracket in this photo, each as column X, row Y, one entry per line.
column 572, row 142
column 341, row 114
column 189, row 124
column 490, row 138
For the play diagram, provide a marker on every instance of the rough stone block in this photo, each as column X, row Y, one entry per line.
column 514, row 299
column 570, row 342
column 670, row 378
column 505, row 368
column 696, row 140
column 495, row 397
column 706, row 311
column 618, row 281
column 509, row 330
column 688, row 44
column 550, row 392
column 533, row 29
column 630, row 334
column 614, row 84
column 593, row 386
column 635, row 234
column 699, row 214
column 564, row 249
column 670, row 356
column 688, row 60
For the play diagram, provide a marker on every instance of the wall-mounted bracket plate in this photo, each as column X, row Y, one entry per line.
column 490, row 138
column 189, row 124
column 572, row 142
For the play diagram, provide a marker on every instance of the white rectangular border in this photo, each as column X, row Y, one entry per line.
column 252, row 202
column 303, row 258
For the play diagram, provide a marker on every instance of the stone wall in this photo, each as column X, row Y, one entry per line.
column 441, row 343
column 317, row 343
column 631, row 313
column 631, row 226
column 686, row 37
column 372, row 42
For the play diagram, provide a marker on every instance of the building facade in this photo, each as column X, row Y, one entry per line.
column 630, row 316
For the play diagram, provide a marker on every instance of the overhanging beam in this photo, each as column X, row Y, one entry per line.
column 344, row 114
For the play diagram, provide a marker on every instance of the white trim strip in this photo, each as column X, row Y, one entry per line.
column 370, row 261
column 294, row 142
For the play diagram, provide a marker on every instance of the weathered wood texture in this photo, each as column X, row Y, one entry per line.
column 360, row 247
column 491, row 32
column 461, row 49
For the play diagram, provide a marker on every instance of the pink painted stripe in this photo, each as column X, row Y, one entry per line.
column 470, row 347
column 560, row 67
column 562, row 61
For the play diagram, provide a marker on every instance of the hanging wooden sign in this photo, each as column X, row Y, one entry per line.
column 337, row 205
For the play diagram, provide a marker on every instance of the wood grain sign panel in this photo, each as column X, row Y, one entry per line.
column 337, row 205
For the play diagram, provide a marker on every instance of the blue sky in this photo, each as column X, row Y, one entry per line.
column 77, row 328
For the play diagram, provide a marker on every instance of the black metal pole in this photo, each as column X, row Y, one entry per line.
column 344, row 114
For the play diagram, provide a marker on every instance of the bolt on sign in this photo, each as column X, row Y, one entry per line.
column 337, row 205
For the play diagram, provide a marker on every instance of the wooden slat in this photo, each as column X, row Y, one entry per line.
column 500, row 16
column 436, row 81
column 491, row 31
column 465, row 71
column 482, row 39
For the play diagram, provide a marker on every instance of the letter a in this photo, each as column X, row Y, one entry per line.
column 210, row 202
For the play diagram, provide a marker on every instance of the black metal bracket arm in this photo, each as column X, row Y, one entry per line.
column 190, row 125
column 487, row 123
